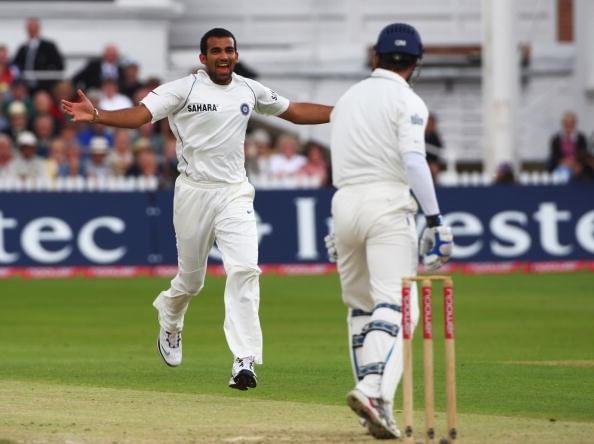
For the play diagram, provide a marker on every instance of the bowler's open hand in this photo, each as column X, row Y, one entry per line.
column 82, row 111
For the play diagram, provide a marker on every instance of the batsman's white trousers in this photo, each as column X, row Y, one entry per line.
column 203, row 213
column 376, row 242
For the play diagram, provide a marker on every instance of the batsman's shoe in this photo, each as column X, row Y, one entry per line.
column 380, row 422
column 243, row 375
column 170, row 347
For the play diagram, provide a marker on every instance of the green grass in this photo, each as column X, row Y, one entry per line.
column 524, row 342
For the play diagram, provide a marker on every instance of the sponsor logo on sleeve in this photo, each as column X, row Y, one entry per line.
column 415, row 119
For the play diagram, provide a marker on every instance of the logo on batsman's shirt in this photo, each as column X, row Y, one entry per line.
column 245, row 109
column 202, row 107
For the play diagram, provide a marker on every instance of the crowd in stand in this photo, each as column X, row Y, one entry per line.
column 37, row 141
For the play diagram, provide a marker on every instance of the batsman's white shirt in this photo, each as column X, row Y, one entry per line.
column 373, row 123
column 209, row 122
column 213, row 200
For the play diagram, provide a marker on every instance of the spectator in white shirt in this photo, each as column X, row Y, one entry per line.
column 57, row 157
column 111, row 98
column 28, row 165
column 120, row 158
column 286, row 161
column 97, row 165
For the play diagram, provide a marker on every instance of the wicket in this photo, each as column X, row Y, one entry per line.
column 450, row 357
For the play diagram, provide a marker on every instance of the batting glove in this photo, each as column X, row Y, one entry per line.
column 330, row 242
column 436, row 246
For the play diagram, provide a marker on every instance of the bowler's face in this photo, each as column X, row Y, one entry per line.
column 220, row 59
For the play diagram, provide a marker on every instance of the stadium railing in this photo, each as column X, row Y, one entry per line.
column 463, row 179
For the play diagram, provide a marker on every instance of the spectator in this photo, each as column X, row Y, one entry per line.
column 3, row 109
column 69, row 134
column 92, row 130
column 170, row 171
column 317, row 164
column 43, row 105
column 140, row 146
column 581, row 172
column 43, row 127
column 6, row 157
column 505, row 174
column 287, row 161
column 251, row 158
column 63, row 90
column 19, row 92
column 432, row 135
column 97, row 165
column 111, row 99
column 38, row 54
column 145, row 163
column 263, row 143
column 567, row 147
column 433, row 147
column 148, row 131
column 99, row 69
column 120, row 159
column 17, row 120
column 140, row 94
column 130, row 80
column 148, row 166
column 74, row 166
column 28, row 165
column 57, row 158
column 8, row 71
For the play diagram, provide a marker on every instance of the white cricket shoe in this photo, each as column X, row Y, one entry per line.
column 170, row 347
column 380, row 421
column 243, row 375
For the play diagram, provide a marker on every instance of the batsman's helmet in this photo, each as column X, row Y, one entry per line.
column 399, row 38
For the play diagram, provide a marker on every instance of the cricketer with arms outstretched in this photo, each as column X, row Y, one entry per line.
column 208, row 113
column 378, row 156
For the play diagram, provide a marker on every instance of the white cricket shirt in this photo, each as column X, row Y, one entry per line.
column 209, row 122
column 373, row 124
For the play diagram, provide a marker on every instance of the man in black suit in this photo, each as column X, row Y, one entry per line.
column 97, row 70
column 38, row 54
column 568, row 146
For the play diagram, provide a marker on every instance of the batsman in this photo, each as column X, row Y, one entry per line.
column 378, row 157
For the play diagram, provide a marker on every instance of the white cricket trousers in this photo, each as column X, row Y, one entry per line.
column 203, row 213
column 376, row 242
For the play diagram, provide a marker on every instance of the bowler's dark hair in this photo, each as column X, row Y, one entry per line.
column 215, row 32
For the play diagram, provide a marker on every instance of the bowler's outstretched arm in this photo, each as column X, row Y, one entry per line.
column 307, row 113
column 84, row 111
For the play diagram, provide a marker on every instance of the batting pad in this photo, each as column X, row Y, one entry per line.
column 378, row 338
